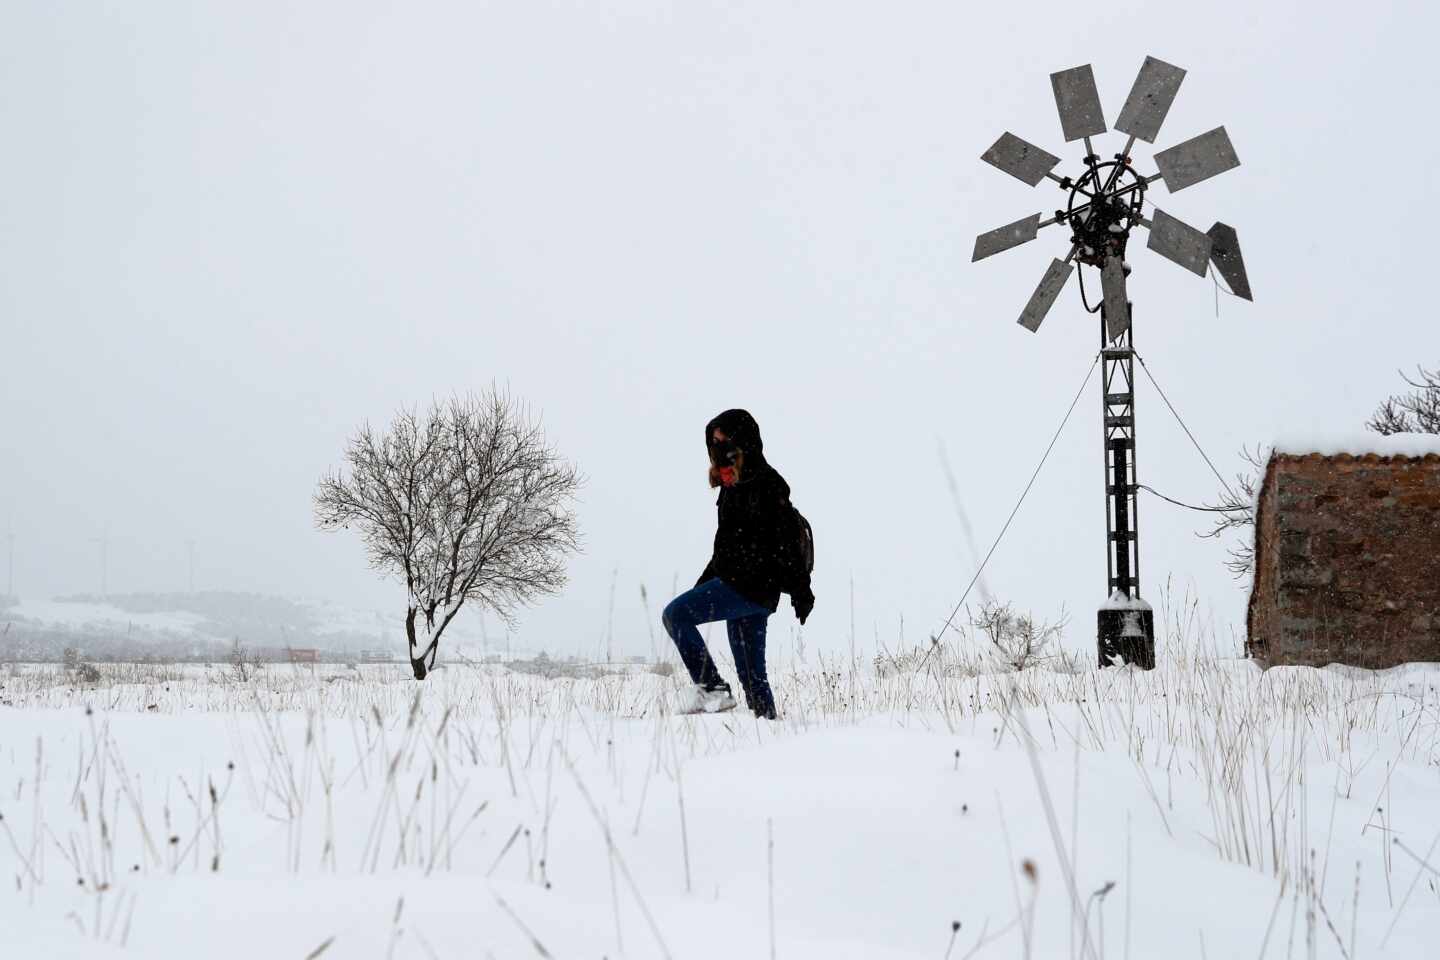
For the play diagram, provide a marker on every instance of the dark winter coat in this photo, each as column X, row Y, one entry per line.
column 755, row 538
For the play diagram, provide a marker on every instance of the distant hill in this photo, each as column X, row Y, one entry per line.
column 196, row 624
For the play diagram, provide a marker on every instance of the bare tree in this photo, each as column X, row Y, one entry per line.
column 1415, row 412
column 1236, row 511
column 466, row 502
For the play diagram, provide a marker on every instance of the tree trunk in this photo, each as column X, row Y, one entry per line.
column 417, row 664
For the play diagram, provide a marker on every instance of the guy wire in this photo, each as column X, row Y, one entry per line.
column 964, row 596
column 1180, row 420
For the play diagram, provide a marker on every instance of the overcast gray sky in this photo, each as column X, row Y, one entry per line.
column 231, row 232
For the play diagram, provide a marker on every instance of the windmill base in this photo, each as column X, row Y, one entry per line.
column 1127, row 633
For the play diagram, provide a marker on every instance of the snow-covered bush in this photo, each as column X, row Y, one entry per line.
column 78, row 668
column 1017, row 640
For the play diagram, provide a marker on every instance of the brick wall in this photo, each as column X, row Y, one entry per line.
column 1347, row 561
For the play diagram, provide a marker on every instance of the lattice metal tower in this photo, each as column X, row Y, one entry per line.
column 1105, row 202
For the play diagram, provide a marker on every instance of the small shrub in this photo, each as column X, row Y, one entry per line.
column 242, row 662
column 1017, row 640
column 77, row 668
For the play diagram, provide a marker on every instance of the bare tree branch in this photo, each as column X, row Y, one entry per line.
column 1414, row 412
column 1236, row 506
column 467, row 503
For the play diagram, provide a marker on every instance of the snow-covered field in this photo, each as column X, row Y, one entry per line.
column 1202, row 810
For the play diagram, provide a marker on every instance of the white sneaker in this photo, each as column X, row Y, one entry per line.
column 697, row 699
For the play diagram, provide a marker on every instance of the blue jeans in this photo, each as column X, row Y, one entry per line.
column 745, row 622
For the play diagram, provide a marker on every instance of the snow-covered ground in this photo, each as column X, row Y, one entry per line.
column 1201, row 810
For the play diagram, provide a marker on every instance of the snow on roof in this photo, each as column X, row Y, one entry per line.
column 1359, row 444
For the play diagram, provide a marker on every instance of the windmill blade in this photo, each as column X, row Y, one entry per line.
column 1023, row 161
column 1078, row 102
column 1117, row 304
column 1150, row 99
column 1003, row 238
column 1197, row 159
column 1225, row 254
column 1179, row 242
column 1044, row 296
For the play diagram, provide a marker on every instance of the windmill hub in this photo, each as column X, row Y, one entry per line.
column 1101, row 232
column 1106, row 201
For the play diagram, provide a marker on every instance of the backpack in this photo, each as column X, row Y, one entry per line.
column 803, row 542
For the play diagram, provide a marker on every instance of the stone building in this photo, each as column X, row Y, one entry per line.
column 1347, row 556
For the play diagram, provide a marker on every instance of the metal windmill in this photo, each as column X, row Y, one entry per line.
column 1104, row 204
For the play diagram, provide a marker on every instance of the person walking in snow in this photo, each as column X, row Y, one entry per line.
column 762, row 549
